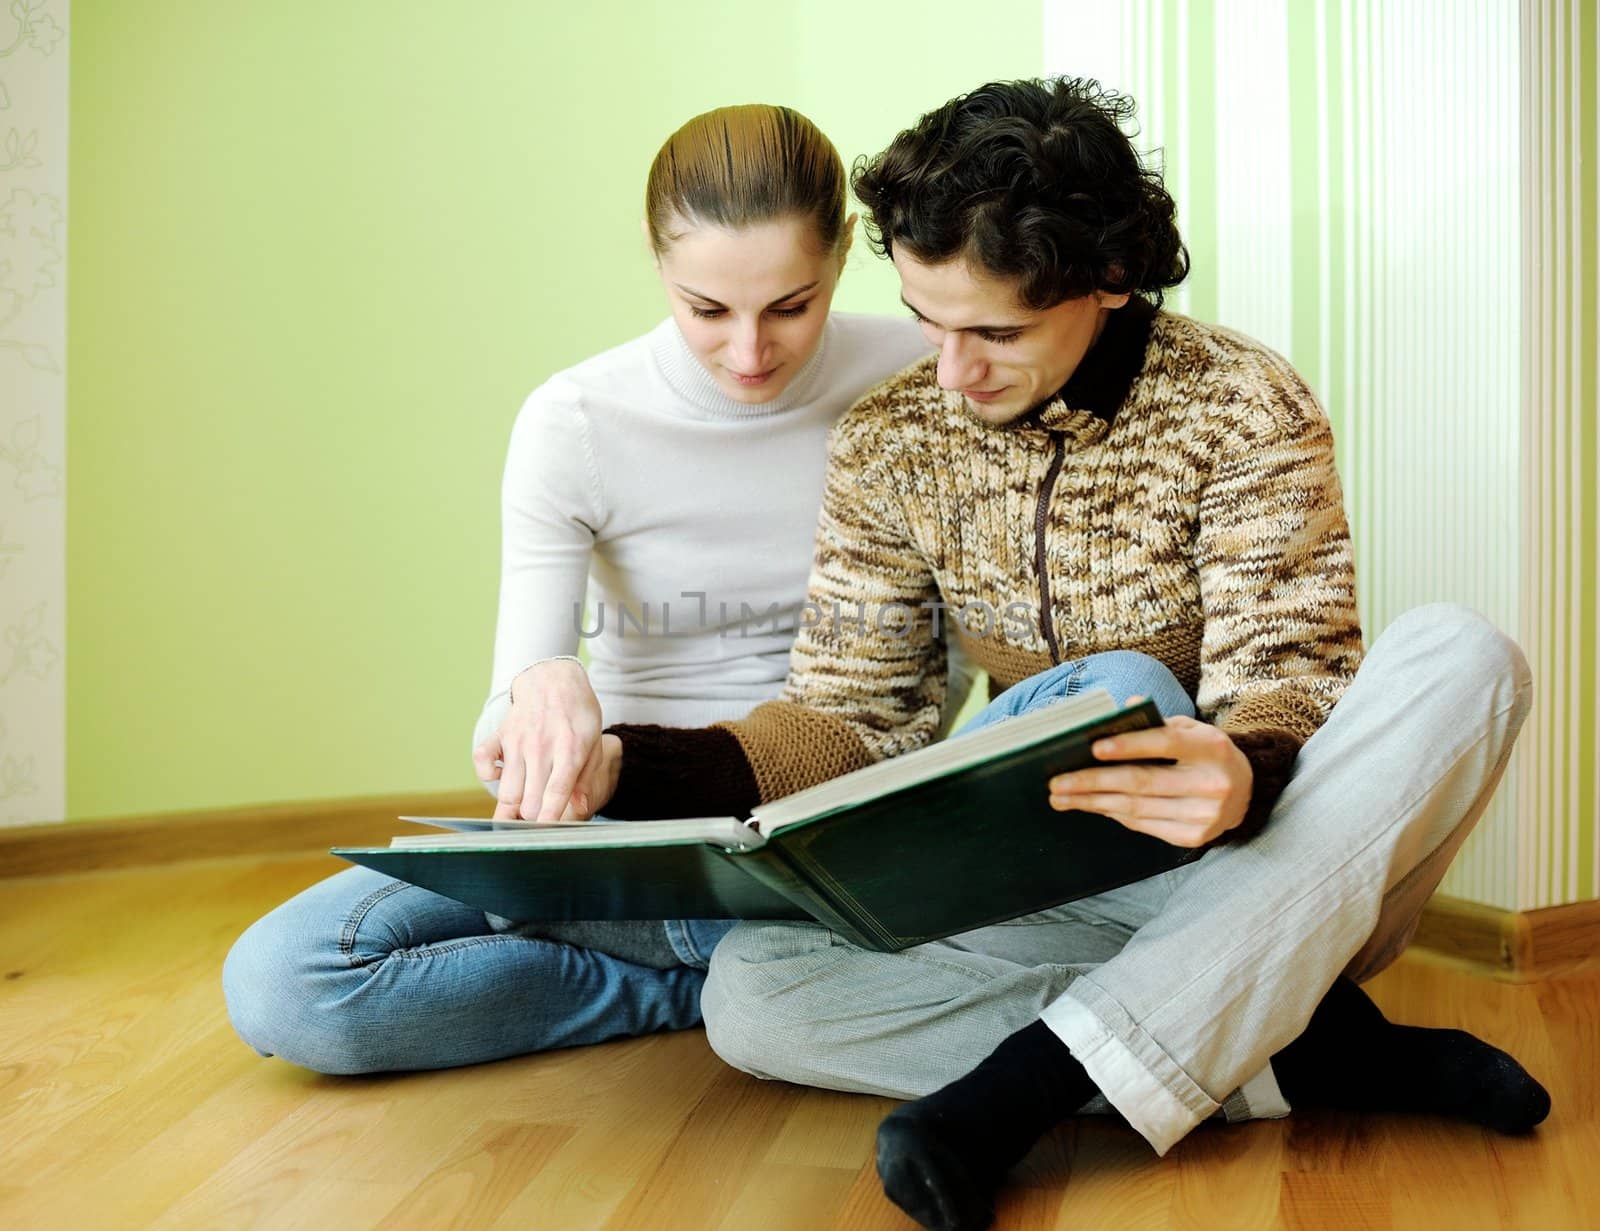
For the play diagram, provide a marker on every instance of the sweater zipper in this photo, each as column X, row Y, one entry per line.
column 1047, row 624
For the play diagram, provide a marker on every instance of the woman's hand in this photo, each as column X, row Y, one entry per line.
column 1196, row 799
column 549, row 744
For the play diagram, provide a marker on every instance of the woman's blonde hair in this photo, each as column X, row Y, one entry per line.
column 738, row 166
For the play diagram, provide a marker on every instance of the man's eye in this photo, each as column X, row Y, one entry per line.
column 1001, row 338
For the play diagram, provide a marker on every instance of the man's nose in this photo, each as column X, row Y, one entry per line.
column 960, row 366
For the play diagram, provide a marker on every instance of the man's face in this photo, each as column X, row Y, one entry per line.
column 1004, row 358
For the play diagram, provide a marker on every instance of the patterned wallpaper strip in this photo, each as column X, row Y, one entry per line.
column 1347, row 173
column 1558, row 859
column 33, row 324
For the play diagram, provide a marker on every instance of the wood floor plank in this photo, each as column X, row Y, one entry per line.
column 776, row 1197
column 1228, row 1174
column 477, row 1179
column 702, row 1172
column 1114, row 1179
column 829, row 1129
column 619, row 1145
column 126, row 1100
column 1311, row 1200
column 1448, row 1176
column 386, row 1162
column 134, row 1000
column 865, row 1208
column 1331, row 1141
column 132, row 1181
column 275, row 1170
column 1568, row 1012
column 1029, row 1208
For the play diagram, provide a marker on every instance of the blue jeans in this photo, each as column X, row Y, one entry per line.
column 363, row 973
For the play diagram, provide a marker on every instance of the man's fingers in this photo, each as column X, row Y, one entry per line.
column 1127, row 780
column 1147, row 817
column 1165, row 742
column 1139, row 807
column 1118, row 807
column 1174, row 833
column 1165, row 781
column 1181, row 736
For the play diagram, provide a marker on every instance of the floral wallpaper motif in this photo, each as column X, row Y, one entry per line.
column 33, row 240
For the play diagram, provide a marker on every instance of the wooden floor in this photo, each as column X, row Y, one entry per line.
column 126, row 1101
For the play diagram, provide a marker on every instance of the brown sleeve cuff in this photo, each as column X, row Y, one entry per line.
column 674, row 771
column 1271, row 753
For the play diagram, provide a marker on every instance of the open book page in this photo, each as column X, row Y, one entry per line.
column 479, row 824
column 474, row 824
column 723, row 831
column 935, row 761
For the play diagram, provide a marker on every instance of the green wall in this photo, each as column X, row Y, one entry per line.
column 319, row 254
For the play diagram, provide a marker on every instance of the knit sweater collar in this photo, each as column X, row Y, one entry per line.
column 687, row 377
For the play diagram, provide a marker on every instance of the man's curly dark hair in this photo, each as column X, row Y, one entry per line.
column 1033, row 181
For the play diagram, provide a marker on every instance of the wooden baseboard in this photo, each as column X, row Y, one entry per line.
column 1517, row 946
column 287, row 828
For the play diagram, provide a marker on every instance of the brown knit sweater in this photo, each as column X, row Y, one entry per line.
column 1178, row 497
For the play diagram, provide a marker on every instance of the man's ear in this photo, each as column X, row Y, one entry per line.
column 1107, row 300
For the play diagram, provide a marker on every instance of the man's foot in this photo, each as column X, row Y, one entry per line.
column 1351, row 1056
column 942, row 1157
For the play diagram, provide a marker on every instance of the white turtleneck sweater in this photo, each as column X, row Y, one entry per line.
column 633, row 485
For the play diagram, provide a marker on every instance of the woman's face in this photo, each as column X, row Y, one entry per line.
column 751, row 303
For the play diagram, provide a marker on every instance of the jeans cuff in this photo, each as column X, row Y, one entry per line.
column 694, row 939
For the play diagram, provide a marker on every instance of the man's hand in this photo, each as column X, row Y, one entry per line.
column 1199, row 797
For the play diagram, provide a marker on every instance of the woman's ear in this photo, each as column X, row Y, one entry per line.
column 649, row 242
column 849, row 238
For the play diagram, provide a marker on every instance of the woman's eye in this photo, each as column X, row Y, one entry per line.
column 711, row 314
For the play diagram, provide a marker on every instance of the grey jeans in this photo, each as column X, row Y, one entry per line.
column 1175, row 992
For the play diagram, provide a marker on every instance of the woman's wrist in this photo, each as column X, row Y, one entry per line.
column 511, row 688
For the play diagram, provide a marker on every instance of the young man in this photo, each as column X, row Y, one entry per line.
column 1135, row 481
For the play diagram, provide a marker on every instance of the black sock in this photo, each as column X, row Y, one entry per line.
column 942, row 1157
column 1351, row 1056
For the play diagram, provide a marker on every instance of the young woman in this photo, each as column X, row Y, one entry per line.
column 659, row 504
